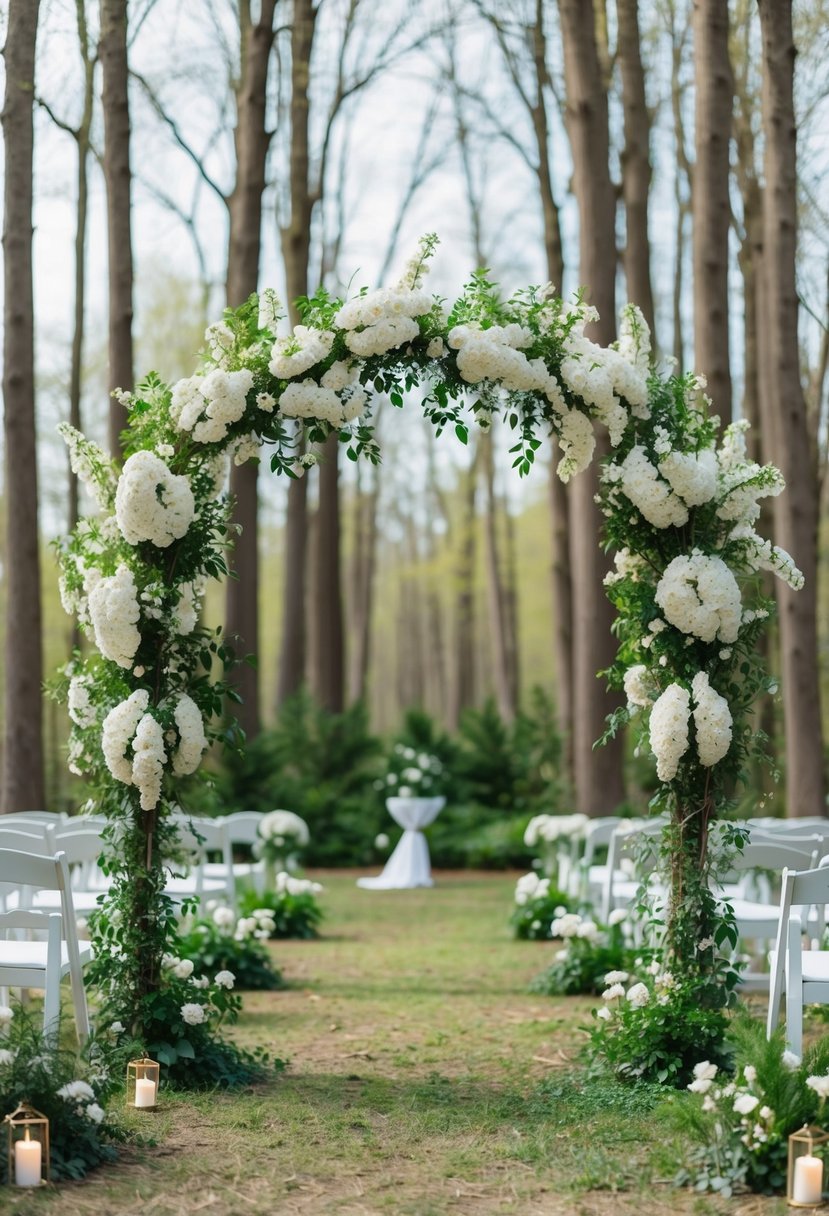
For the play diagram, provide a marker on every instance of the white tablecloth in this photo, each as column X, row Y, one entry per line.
column 409, row 864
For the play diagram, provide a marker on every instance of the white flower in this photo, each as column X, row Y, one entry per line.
column 113, row 612
column 192, row 739
column 224, row 917
column 638, row 996
column 81, row 710
column 641, row 484
column 7, row 1057
column 284, row 824
column 712, row 719
column 765, row 1112
column 744, row 1104
column 617, row 916
column 207, row 405
column 94, row 1112
column 117, row 1028
column 669, row 730
column 604, row 1013
column 304, row 348
column 567, row 925
column 118, row 730
column 820, row 1085
column 183, row 969
column 224, row 979
column 790, row 1060
column 77, row 1091
column 148, row 760
column 381, row 841
column 151, row 503
column 700, row 596
column 705, row 1071
column 616, row 977
column 750, row 1073
column 193, row 1014
column 700, row 1085
column 6, row 1015
column 639, row 688
column 613, row 993
column 693, row 476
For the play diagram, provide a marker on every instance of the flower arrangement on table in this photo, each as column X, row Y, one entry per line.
column 412, row 774
column 225, row 943
column 290, row 910
column 739, row 1124
column 71, row 1092
column 537, row 906
column 589, row 953
column 283, row 837
column 557, row 838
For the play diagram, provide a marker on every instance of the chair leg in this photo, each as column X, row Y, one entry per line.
column 80, row 1006
column 794, row 989
column 51, row 996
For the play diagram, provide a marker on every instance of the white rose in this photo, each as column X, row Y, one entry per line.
column 224, row 979
column 193, row 1014
column 638, row 996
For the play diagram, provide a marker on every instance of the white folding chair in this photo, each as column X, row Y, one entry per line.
column 242, row 827
column 197, row 837
column 31, row 966
column 591, row 877
column 620, row 889
column 802, row 974
column 31, row 959
column 757, row 919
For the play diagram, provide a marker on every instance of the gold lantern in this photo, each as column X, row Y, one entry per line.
column 142, row 1083
column 804, row 1178
column 28, row 1145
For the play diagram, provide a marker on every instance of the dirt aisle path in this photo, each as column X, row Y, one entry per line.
column 423, row 1080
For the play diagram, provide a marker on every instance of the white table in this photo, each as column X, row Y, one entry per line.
column 409, row 864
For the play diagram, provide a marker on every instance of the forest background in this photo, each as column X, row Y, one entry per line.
column 187, row 154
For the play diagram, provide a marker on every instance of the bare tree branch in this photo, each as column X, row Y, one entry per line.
column 172, row 126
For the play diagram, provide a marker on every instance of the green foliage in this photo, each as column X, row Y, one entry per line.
column 82, row 1136
column 731, row 1150
column 537, row 906
column 294, row 913
column 212, row 948
column 581, row 965
column 662, row 1039
column 513, row 767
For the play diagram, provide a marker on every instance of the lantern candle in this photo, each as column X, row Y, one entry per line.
column 144, row 1092
column 808, row 1180
column 27, row 1160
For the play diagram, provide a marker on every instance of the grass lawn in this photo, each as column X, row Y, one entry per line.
column 423, row 1079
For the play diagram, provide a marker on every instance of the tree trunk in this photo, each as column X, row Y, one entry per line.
column 462, row 690
column 636, row 168
column 251, row 140
column 113, row 52
column 710, row 201
column 23, row 788
column 495, row 589
column 364, row 566
column 559, row 501
column 296, row 245
column 327, row 615
column 796, row 510
column 598, row 775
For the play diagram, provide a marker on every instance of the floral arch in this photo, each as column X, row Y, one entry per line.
column 679, row 504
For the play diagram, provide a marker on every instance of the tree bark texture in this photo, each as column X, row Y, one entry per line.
column 636, row 168
column 496, row 605
column 23, row 788
column 329, row 642
column 710, row 201
column 795, row 509
column 251, row 140
column 362, row 593
column 463, row 684
column 598, row 774
column 296, row 245
column 113, row 54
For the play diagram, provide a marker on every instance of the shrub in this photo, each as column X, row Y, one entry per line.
column 590, row 953
column 537, row 907
column 293, row 908
column 225, row 942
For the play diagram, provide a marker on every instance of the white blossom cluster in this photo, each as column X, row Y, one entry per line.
column 151, row 503
column 118, row 731
column 81, row 707
column 307, row 399
column 114, row 612
column 571, row 924
column 640, row 482
column 639, row 687
column 148, row 760
column 530, row 887
column 761, row 554
column 282, row 826
column 744, row 1099
column 669, row 730
column 547, row 829
column 192, row 739
column 712, row 721
column 81, row 1095
column 699, row 595
column 186, row 614
column 300, row 351
column 381, row 320
column 691, row 475
column 207, row 406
